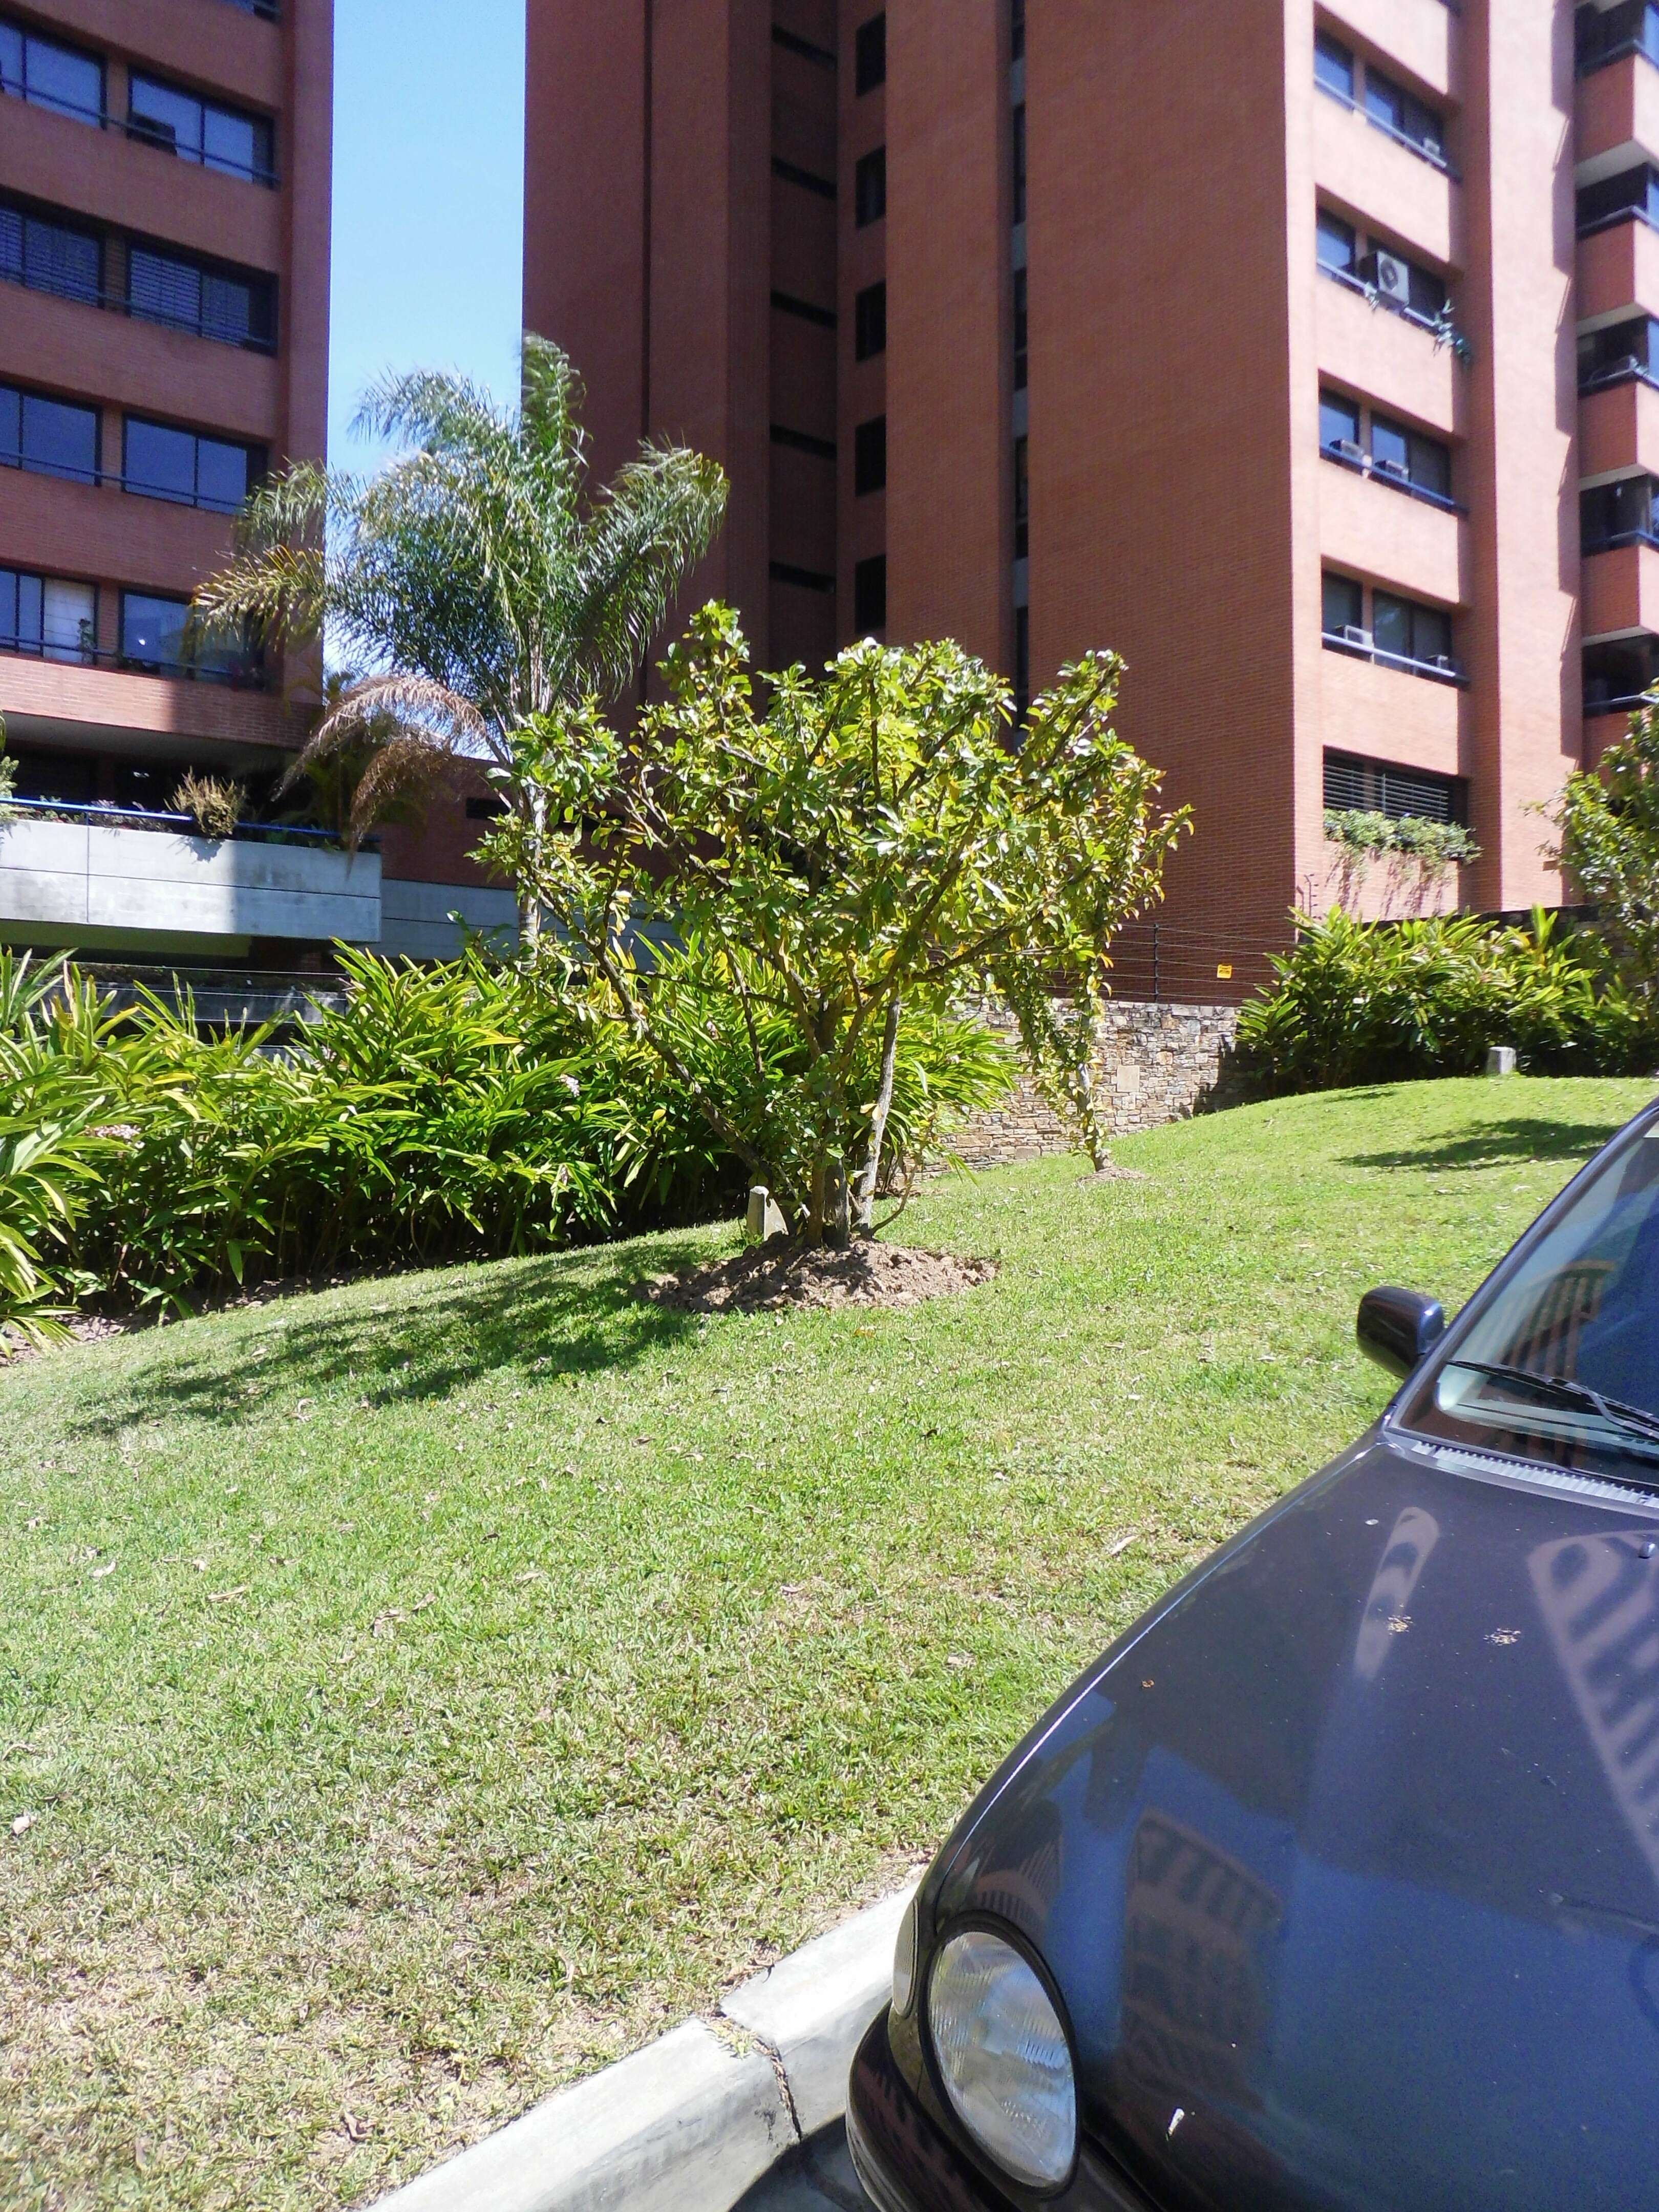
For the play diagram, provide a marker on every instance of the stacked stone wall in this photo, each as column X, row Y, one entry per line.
column 1157, row 1064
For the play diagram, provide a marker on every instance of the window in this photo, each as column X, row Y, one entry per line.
column 486, row 810
column 1606, row 35
column 1333, row 66
column 808, row 179
column 186, row 468
column 1017, row 29
column 20, row 611
column 47, row 617
column 803, row 580
column 1337, row 242
column 47, row 436
column 155, row 639
column 1620, row 513
column 1410, row 458
column 188, row 295
column 1633, row 194
column 870, row 55
column 1623, row 349
column 870, row 596
column 870, row 322
column 1022, row 660
column 792, row 43
column 1338, row 424
column 802, row 442
column 1403, row 116
column 1369, row 786
column 870, row 188
column 1619, row 674
column 1022, row 499
column 47, row 75
column 51, row 257
column 870, row 456
column 1344, row 605
column 1405, row 631
column 1019, row 163
column 197, row 130
column 805, row 311
column 1022, row 331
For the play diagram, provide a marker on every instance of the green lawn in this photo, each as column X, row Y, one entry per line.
column 427, row 1691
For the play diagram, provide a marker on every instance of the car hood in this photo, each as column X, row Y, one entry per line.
column 1345, row 1860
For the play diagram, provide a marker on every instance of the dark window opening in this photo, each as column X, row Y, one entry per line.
column 808, row 179
column 1016, row 30
column 51, row 257
column 1022, row 499
column 48, row 437
column 47, row 617
column 1614, row 514
column 1022, row 331
column 1403, row 116
column 1019, row 163
column 1369, row 786
column 1632, row 195
column 198, row 131
column 1604, row 35
column 1337, row 244
column 1408, row 458
column 787, row 304
column 870, row 188
column 1344, row 610
column 870, row 322
column 1339, row 427
column 870, row 54
column 485, row 810
column 1333, row 66
column 1619, row 673
column 1022, row 661
column 870, row 456
column 870, row 596
column 156, row 640
column 793, row 44
column 1406, row 630
column 1620, row 351
column 802, row 442
column 803, row 580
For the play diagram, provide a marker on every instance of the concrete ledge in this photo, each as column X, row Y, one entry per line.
column 689, row 2126
column 812, row 2008
column 684, row 2126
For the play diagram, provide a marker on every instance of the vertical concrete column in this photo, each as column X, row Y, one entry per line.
column 1517, row 307
column 305, row 145
column 950, row 434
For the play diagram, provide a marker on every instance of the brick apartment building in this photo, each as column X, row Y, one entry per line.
column 1287, row 348
column 164, row 177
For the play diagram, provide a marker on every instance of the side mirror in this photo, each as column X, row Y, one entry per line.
column 1400, row 1329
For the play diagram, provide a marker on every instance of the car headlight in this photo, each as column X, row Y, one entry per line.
column 1004, row 2058
column 904, row 1962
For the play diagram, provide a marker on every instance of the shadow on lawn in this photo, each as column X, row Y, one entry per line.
column 562, row 1316
column 1524, row 1137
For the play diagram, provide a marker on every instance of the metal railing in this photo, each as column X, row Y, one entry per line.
column 247, row 678
column 100, row 295
column 1374, row 298
column 110, row 814
column 1158, row 962
column 1367, row 465
column 1447, row 671
column 1425, row 150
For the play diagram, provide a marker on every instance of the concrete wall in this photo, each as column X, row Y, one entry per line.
column 72, row 875
column 418, row 920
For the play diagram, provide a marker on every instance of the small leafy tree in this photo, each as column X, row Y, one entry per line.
column 1608, row 825
column 478, row 577
column 882, row 841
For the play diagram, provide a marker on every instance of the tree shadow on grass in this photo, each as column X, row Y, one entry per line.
column 1523, row 1137
column 561, row 1316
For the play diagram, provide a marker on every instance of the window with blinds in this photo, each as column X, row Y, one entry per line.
column 49, row 257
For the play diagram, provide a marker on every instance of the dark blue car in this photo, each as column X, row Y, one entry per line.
column 1334, row 1886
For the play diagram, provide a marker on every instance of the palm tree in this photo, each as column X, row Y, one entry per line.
column 476, row 575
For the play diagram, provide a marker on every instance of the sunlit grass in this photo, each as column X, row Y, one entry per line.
column 425, row 1691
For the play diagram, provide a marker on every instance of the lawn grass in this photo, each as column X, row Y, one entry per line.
column 430, row 1689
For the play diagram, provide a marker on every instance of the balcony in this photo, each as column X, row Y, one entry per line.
column 1619, row 592
column 1619, row 426
column 1359, row 164
column 1413, row 540
column 1618, row 108
column 1370, row 709
column 1420, row 35
column 63, row 877
column 1389, row 355
column 95, row 703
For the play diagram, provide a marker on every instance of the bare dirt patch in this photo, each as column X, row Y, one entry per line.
column 774, row 1279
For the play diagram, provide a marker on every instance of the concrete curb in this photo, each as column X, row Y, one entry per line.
column 688, row 2125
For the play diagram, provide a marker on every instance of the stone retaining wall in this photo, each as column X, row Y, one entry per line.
column 1158, row 1063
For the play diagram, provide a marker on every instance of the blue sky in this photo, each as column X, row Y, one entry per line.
column 428, row 195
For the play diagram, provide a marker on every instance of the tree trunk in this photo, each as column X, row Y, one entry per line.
column 870, row 1176
column 530, row 905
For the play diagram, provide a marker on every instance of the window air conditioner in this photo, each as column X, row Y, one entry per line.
column 1392, row 468
column 1392, row 278
column 1348, row 449
column 1444, row 660
column 1353, row 635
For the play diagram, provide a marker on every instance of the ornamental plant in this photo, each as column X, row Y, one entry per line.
column 826, row 863
column 1609, row 824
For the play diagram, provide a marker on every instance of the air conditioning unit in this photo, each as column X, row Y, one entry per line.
column 1353, row 635
column 1392, row 468
column 1392, row 278
column 1349, row 451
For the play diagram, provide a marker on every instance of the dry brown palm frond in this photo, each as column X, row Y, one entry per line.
column 408, row 767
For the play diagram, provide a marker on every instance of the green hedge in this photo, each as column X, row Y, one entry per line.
column 1380, row 1002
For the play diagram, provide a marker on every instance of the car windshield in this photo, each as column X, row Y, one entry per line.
column 1563, row 1364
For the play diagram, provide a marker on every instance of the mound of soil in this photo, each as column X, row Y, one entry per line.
column 776, row 1277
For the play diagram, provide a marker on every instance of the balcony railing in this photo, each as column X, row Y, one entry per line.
column 1615, row 541
column 109, row 814
column 1433, row 325
column 1627, row 371
column 1425, row 150
column 120, row 303
column 1362, row 464
column 246, row 676
column 1360, row 645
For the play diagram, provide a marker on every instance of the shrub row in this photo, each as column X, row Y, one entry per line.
column 469, row 1110
column 1366, row 1002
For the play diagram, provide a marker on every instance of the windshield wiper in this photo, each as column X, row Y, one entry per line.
column 1633, row 1421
